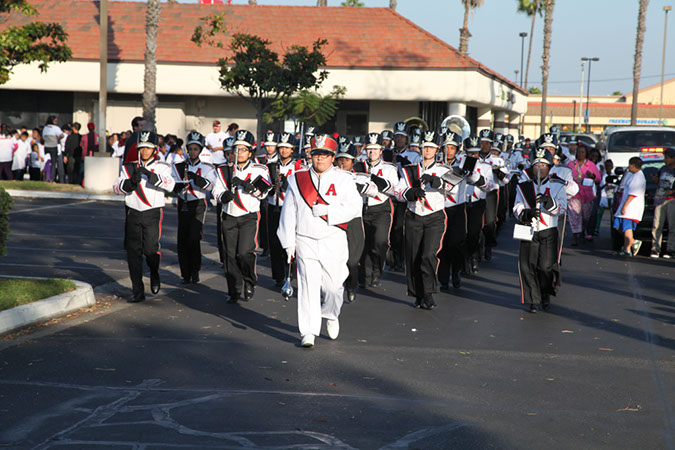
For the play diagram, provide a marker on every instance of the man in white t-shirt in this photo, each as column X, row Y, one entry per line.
column 7, row 147
column 51, row 135
column 214, row 142
column 632, row 206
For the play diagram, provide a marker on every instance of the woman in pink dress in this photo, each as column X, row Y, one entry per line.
column 586, row 175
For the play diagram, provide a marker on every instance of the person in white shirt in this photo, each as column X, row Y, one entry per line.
column 320, row 201
column 632, row 206
column 7, row 148
column 51, row 135
column 21, row 154
column 215, row 142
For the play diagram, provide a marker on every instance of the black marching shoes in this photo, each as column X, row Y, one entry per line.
column 155, row 284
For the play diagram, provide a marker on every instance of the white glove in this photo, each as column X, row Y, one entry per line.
column 319, row 210
column 290, row 253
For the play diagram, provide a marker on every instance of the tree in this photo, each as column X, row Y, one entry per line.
column 534, row 90
column 252, row 2
column 321, row 3
column 619, row 93
column 637, row 63
column 150, row 72
column 307, row 106
column 464, row 35
column 36, row 41
column 356, row 3
column 531, row 8
column 546, row 55
column 259, row 75
column 392, row 4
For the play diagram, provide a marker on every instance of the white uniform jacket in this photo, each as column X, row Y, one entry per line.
column 335, row 189
column 563, row 172
column 387, row 171
column 146, row 195
column 497, row 163
column 276, row 197
column 456, row 195
column 243, row 203
column 434, row 199
column 480, row 182
column 411, row 155
column 190, row 191
column 553, row 187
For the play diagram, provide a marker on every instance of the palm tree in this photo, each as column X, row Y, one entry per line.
column 548, row 25
column 637, row 64
column 252, row 2
column 355, row 3
column 464, row 35
column 392, row 4
column 321, row 2
column 531, row 8
column 150, row 76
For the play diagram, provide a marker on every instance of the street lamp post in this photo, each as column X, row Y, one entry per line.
column 522, row 35
column 516, row 71
column 587, row 114
column 663, row 61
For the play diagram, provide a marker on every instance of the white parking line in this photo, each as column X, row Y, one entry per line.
column 19, row 211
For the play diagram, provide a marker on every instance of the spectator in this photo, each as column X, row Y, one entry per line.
column 231, row 130
column 130, row 150
column 34, row 163
column 629, row 212
column 21, row 156
column 664, row 205
column 7, row 148
column 176, row 155
column 586, row 175
column 73, row 155
column 595, row 157
column 90, row 141
column 51, row 135
column 607, row 189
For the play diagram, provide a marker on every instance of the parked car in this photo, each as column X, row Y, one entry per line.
column 589, row 139
column 650, row 167
column 622, row 143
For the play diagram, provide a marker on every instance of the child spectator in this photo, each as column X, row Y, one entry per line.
column 34, row 163
column 20, row 156
column 607, row 189
column 629, row 212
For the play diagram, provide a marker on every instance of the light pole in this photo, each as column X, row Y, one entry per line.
column 522, row 35
column 663, row 61
column 516, row 71
column 587, row 114
column 581, row 93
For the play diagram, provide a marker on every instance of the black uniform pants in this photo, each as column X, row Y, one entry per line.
column 239, row 243
column 219, row 231
column 262, row 229
column 355, row 244
column 513, row 185
column 490, row 224
column 191, row 216
column 376, row 224
column 475, row 213
column 142, row 232
column 423, row 235
column 397, row 242
column 557, row 274
column 278, row 256
column 536, row 264
column 453, row 252
column 502, row 206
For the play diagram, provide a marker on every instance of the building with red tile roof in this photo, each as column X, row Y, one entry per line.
column 392, row 68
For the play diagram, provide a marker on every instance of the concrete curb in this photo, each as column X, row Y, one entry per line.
column 70, row 195
column 47, row 308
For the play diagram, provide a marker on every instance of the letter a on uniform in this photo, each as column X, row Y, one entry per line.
column 331, row 190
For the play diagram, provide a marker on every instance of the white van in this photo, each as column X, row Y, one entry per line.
column 622, row 143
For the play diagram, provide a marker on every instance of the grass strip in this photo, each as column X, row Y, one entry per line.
column 19, row 291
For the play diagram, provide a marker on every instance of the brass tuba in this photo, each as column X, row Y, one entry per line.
column 457, row 124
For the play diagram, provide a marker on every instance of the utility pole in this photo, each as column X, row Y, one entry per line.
column 522, row 35
column 588, row 93
column 103, row 86
column 663, row 61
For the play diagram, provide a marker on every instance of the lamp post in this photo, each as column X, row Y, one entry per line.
column 516, row 71
column 587, row 114
column 522, row 35
column 663, row 60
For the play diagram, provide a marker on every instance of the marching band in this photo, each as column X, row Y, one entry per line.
column 341, row 209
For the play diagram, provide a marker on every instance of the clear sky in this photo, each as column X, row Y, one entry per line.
column 593, row 28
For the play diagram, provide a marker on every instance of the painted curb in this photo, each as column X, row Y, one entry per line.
column 70, row 195
column 47, row 308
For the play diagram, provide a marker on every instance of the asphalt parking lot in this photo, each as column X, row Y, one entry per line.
column 186, row 370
